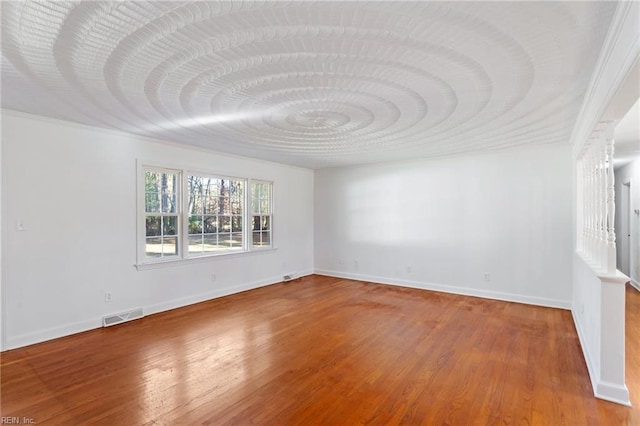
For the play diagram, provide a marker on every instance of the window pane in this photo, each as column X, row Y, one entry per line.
column 236, row 206
column 161, row 191
column 236, row 188
column 153, row 247
column 152, row 224
column 261, row 223
column 152, row 202
column 152, row 182
column 224, row 223
column 222, row 205
column 195, row 224
column 265, row 223
column 210, row 224
column 266, row 238
column 195, row 204
column 195, row 195
column 211, row 187
column 168, row 203
column 169, row 246
column 194, row 183
column 225, row 240
column 264, row 206
column 172, row 181
column 236, row 224
column 261, row 239
column 223, row 188
column 260, row 197
column 195, row 244
column 236, row 240
column 169, row 225
column 210, row 243
column 211, row 205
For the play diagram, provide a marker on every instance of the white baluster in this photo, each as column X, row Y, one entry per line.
column 610, row 202
column 591, row 203
column 596, row 212
column 596, row 206
column 580, row 206
column 602, row 206
column 589, row 197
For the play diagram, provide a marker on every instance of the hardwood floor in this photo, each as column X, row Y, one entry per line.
column 632, row 349
column 321, row 350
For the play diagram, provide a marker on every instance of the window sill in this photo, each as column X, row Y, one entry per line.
column 199, row 259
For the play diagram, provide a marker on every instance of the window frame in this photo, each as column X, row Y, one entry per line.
column 185, row 219
column 251, row 214
column 142, row 215
column 182, row 232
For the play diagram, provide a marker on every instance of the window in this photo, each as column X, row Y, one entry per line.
column 215, row 207
column 161, row 195
column 261, row 214
column 186, row 215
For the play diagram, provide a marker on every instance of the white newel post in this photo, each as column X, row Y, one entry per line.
column 611, row 382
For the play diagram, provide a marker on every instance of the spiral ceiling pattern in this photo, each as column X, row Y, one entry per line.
column 312, row 84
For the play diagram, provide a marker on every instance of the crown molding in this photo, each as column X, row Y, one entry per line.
column 620, row 51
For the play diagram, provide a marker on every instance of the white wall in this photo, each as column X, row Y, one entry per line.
column 630, row 172
column 599, row 321
column 74, row 188
column 443, row 224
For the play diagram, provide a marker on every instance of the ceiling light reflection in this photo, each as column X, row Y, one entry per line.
column 208, row 120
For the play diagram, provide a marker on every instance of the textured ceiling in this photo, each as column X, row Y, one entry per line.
column 304, row 83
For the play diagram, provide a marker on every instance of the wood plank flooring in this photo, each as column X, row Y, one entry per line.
column 321, row 350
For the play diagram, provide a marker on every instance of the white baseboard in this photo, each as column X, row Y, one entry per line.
column 465, row 291
column 613, row 392
column 52, row 333
column 601, row 389
column 635, row 284
column 93, row 323
column 203, row 297
column 594, row 373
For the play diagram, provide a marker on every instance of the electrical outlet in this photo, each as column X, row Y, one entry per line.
column 355, row 264
column 409, row 269
column 108, row 296
column 486, row 276
column 214, row 277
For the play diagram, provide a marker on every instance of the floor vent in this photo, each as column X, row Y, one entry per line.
column 114, row 319
column 288, row 277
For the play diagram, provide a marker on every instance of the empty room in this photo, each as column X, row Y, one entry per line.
column 331, row 212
